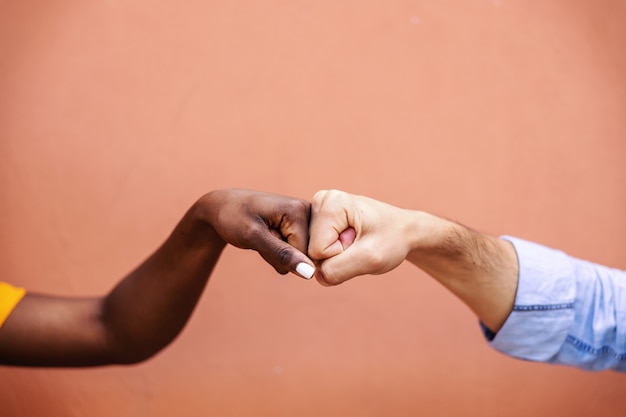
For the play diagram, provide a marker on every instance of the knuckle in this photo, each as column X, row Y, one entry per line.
column 249, row 235
column 283, row 255
column 326, row 274
column 318, row 198
column 314, row 253
column 296, row 206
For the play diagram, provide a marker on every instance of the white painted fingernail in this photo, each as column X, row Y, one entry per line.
column 305, row 270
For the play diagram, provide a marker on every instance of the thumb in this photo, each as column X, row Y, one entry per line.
column 355, row 260
column 285, row 257
column 347, row 237
column 330, row 231
column 344, row 240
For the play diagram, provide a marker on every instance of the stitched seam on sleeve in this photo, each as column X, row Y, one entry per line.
column 543, row 307
column 604, row 350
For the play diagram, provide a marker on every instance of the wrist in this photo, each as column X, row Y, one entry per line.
column 199, row 227
column 428, row 233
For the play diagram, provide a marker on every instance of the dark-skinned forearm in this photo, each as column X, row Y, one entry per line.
column 149, row 308
column 144, row 312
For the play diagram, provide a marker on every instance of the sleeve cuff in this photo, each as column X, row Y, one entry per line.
column 544, row 304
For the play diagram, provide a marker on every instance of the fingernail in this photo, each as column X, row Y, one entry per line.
column 305, row 270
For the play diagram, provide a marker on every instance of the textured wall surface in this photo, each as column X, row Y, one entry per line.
column 115, row 116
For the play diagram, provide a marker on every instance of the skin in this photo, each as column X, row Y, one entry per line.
column 149, row 307
column 354, row 235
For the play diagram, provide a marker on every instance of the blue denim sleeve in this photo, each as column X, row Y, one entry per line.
column 567, row 311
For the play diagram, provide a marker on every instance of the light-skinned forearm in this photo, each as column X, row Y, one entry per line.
column 479, row 269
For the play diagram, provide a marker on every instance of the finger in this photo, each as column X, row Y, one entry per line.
column 294, row 225
column 328, row 221
column 359, row 259
column 283, row 256
column 347, row 237
column 344, row 240
column 320, row 279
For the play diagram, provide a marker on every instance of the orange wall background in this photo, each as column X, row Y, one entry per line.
column 116, row 116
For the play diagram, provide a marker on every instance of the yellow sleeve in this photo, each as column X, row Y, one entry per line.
column 9, row 297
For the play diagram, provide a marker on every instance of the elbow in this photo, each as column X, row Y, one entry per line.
column 135, row 340
column 136, row 352
column 136, row 348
